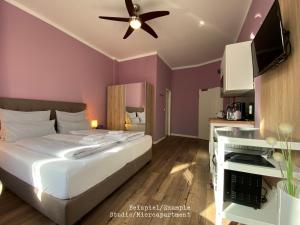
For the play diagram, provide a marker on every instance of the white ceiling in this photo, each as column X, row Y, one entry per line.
column 182, row 40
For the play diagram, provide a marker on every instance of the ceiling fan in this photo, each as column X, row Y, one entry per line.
column 136, row 20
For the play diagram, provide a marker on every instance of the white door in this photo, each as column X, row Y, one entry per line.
column 168, row 113
column 210, row 103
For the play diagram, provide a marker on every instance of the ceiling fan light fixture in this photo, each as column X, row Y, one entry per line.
column 135, row 22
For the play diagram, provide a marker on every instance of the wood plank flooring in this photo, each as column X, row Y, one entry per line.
column 178, row 175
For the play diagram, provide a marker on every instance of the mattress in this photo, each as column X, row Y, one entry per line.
column 64, row 178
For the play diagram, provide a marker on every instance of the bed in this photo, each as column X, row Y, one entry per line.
column 135, row 126
column 79, row 188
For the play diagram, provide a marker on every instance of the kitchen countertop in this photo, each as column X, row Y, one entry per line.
column 217, row 120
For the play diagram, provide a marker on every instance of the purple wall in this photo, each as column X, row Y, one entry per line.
column 37, row 61
column 137, row 70
column 164, row 76
column 40, row 62
column 136, row 95
column 185, row 91
column 256, row 15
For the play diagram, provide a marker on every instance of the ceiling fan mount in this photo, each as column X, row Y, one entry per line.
column 136, row 8
column 136, row 20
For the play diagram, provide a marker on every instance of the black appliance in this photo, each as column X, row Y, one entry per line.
column 271, row 44
column 250, row 112
column 243, row 188
column 257, row 160
column 243, row 110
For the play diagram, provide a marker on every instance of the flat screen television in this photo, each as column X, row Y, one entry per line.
column 268, row 46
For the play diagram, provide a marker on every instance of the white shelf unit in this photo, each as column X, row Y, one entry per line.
column 250, row 216
column 259, row 170
column 267, row 215
column 213, row 146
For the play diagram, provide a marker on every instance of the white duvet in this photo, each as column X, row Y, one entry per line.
column 64, row 178
column 64, row 146
column 119, row 136
column 71, row 146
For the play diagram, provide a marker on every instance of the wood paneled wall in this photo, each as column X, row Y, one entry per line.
column 149, row 109
column 116, row 107
column 280, row 88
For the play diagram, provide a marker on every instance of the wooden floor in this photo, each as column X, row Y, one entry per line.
column 178, row 175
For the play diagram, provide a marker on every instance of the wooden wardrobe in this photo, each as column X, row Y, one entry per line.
column 116, row 107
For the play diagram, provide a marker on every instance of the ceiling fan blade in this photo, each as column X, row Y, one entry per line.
column 128, row 32
column 130, row 7
column 114, row 18
column 149, row 30
column 152, row 15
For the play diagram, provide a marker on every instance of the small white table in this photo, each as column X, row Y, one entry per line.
column 235, row 212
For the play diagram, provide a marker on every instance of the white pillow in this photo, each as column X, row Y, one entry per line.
column 65, row 127
column 131, row 115
column 135, row 120
column 13, row 131
column 142, row 119
column 71, row 117
column 20, row 116
column 141, row 116
column 131, row 118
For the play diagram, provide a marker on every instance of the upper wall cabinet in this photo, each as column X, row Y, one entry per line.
column 236, row 69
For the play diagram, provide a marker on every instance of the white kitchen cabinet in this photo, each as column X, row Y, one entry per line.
column 237, row 69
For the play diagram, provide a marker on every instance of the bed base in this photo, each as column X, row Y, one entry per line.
column 67, row 212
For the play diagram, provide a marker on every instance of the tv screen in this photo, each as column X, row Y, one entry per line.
column 268, row 45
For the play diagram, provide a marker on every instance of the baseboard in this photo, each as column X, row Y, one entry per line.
column 159, row 140
column 183, row 135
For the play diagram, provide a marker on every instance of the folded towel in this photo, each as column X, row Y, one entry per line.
column 100, row 142
column 115, row 132
column 125, row 136
column 88, row 132
column 88, row 152
column 93, row 137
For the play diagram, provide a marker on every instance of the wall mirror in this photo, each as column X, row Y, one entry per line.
column 130, row 107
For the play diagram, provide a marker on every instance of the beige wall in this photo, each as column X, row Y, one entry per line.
column 280, row 88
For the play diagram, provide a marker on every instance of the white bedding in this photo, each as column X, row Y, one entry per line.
column 64, row 178
column 64, row 146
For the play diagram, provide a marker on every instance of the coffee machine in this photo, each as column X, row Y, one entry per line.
column 236, row 111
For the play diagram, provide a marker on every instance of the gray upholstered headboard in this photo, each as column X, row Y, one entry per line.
column 134, row 109
column 40, row 105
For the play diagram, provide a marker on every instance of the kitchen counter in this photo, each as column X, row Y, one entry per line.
column 217, row 120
